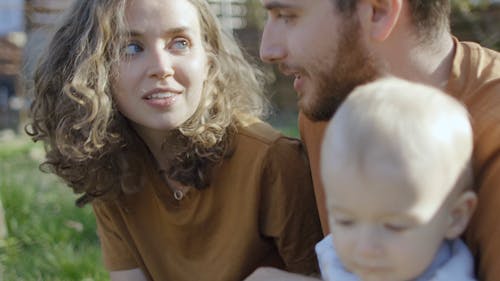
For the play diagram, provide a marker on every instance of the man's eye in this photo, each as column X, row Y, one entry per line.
column 132, row 49
column 286, row 17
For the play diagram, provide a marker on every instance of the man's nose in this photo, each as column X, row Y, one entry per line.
column 272, row 45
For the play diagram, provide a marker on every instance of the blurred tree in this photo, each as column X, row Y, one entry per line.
column 477, row 21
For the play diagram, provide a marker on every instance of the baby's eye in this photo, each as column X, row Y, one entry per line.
column 344, row 222
column 396, row 227
column 132, row 49
column 180, row 44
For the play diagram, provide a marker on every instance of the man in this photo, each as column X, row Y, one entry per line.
column 331, row 46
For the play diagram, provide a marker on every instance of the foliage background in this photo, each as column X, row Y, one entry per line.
column 49, row 238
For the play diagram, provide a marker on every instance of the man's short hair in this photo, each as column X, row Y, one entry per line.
column 426, row 14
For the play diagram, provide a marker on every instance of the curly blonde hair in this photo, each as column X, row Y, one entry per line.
column 91, row 145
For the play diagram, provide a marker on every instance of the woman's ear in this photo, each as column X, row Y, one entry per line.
column 460, row 214
column 379, row 17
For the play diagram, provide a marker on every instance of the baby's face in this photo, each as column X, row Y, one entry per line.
column 386, row 225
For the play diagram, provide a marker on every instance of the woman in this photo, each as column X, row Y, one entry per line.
column 152, row 113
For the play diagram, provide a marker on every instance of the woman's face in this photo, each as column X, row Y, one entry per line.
column 162, row 73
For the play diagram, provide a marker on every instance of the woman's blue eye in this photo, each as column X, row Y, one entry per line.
column 132, row 49
column 180, row 44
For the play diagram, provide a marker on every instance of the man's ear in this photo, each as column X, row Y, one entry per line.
column 460, row 214
column 379, row 17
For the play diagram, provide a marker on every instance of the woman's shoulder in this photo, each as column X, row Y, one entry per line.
column 258, row 131
column 259, row 140
column 262, row 133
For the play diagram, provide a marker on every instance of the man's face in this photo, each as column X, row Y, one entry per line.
column 320, row 47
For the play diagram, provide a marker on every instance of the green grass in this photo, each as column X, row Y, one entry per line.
column 49, row 238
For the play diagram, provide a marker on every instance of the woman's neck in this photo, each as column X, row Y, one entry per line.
column 156, row 141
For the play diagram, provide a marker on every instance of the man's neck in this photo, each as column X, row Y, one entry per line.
column 428, row 63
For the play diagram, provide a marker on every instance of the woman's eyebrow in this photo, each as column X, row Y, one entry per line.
column 168, row 32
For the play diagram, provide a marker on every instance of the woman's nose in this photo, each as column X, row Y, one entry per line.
column 161, row 64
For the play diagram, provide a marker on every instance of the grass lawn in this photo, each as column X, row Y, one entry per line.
column 49, row 238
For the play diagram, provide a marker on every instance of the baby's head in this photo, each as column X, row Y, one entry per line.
column 396, row 168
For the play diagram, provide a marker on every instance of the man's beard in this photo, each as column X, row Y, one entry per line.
column 353, row 66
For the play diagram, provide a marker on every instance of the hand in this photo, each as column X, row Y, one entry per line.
column 135, row 274
column 273, row 274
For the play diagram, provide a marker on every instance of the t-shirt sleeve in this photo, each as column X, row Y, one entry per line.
column 288, row 211
column 483, row 233
column 311, row 134
column 115, row 251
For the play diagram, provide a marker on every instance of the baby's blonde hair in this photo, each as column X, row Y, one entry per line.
column 415, row 124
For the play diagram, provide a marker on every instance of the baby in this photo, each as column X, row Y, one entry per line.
column 398, row 181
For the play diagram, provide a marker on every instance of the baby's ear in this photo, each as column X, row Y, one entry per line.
column 461, row 213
